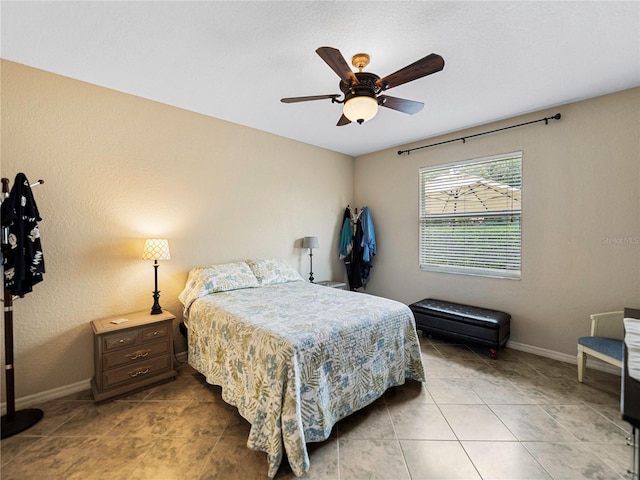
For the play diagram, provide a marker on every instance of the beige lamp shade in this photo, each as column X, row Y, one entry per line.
column 310, row 242
column 156, row 249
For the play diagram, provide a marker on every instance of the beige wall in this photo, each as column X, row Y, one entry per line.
column 119, row 169
column 580, row 221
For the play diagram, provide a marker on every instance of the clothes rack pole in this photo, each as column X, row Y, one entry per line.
column 13, row 422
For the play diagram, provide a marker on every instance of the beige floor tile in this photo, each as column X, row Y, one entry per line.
column 618, row 457
column 14, row 446
column 515, row 370
column 174, row 458
column 124, row 455
column 549, row 391
column 498, row 391
column 410, row 392
column 323, row 457
column 371, row 460
column 595, row 394
column 586, row 424
column 504, row 461
column 419, row 422
column 231, row 459
column 475, row 370
column 570, row 461
column 371, row 422
column 93, row 419
column 57, row 413
column 436, row 366
column 530, row 423
column 177, row 419
column 237, row 426
column 475, row 422
column 612, row 412
column 452, row 391
column 438, row 460
column 48, row 458
column 551, row 368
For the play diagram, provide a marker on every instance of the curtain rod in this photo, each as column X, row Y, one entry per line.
column 545, row 120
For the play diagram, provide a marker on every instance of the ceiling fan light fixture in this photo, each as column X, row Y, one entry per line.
column 360, row 108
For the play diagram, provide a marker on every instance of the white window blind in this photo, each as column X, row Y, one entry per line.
column 470, row 217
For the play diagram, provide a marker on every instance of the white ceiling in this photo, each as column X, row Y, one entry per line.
column 235, row 60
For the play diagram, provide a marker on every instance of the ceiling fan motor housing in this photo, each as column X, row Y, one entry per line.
column 366, row 88
column 366, row 85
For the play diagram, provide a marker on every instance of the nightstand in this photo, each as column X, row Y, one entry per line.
column 131, row 352
column 331, row 284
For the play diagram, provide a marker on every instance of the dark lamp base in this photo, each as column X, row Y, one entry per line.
column 156, row 309
column 20, row 421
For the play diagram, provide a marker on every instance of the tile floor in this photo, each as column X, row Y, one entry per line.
column 518, row 417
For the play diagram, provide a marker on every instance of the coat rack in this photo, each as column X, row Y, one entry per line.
column 14, row 421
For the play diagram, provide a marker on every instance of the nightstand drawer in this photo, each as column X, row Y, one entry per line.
column 120, row 340
column 135, row 354
column 133, row 373
column 155, row 332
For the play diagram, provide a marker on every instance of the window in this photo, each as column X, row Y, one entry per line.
column 470, row 217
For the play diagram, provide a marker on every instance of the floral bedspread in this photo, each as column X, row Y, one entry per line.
column 295, row 358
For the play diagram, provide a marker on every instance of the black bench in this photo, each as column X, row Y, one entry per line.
column 463, row 322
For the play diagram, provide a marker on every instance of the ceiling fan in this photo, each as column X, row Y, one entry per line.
column 362, row 89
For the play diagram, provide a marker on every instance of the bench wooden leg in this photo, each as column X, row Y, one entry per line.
column 493, row 352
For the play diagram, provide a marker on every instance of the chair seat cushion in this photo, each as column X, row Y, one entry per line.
column 607, row 346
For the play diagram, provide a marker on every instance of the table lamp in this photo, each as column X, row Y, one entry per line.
column 156, row 249
column 310, row 243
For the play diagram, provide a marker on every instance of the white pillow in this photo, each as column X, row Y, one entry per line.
column 273, row 270
column 216, row 278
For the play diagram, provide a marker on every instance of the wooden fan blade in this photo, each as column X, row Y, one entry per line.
column 432, row 63
column 400, row 104
column 343, row 121
column 307, row 99
column 338, row 64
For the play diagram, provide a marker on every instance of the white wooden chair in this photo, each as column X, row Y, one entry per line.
column 605, row 342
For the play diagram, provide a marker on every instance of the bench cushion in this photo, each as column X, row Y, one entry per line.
column 462, row 322
column 462, row 313
column 607, row 346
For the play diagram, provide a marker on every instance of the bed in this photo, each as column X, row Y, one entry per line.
column 293, row 357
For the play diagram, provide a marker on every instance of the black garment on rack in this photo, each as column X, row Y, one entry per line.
column 347, row 257
column 355, row 278
column 23, row 259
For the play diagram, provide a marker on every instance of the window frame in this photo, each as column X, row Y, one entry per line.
column 459, row 257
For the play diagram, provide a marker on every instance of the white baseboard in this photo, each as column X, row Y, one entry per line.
column 47, row 395
column 593, row 363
